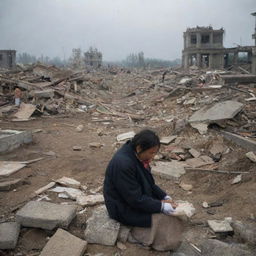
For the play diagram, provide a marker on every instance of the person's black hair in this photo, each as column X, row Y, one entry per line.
column 146, row 139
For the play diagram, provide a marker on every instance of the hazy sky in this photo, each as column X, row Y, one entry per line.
column 119, row 27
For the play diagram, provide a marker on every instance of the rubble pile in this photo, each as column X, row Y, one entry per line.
column 207, row 125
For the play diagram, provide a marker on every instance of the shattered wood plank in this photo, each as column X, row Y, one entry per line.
column 25, row 111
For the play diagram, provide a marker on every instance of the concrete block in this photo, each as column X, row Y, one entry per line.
column 219, row 226
column 11, row 139
column 9, row 233
column 220, row 111
column 46, row 215
column 167, row 140
column 62, row 243
column 241, row 141
column 169, row 170
column 125, row 136
column 101, row 229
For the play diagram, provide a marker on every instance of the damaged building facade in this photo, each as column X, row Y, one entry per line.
column 7, row 59
column 93, row 58
column 203, row 47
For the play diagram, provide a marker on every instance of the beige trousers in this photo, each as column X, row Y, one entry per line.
column 165, row 233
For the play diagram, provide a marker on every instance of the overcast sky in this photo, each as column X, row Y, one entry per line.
column 119, row 27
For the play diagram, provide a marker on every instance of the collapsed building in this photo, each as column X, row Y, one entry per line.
column 203, row 47
column 93, row 58
column 7, row 59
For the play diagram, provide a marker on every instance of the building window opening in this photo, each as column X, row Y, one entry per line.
column 243, row 57
column 193, row 39
column 205, row 39
column 205, row 60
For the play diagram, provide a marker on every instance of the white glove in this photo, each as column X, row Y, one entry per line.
column 167, row 198
column 167, row 208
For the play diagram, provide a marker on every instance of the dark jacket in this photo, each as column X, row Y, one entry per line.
column 130, row 192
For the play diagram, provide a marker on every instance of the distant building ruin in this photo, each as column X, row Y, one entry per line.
column 93, row 58
column 8, row 59
column 203, row 47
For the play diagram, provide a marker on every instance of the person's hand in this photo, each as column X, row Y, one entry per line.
column 168, row 209
column 172, row 202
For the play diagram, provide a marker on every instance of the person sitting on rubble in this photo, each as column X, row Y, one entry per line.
column 17, row 96
column 133, row 199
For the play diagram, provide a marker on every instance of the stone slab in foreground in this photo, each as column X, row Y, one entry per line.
column 9, row 233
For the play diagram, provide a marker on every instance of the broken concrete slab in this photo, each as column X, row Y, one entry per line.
column 69, row 182
column 213, row 247
column 25, row 111
column 246, row 232
column 72, row 193
column 9, row 167
column 9, row 233
column 101, row 229
column 167, row 140
column 46, row 215
column 169, row 170
column 220, row 226
column 90, row 200
column 241, row 141
column 220, row 111
column 194, row 153
column 238, row 78
column 9, row 184
column 62, row 243
column 201, row 127
column 125, row 136
column 251, row 156
column 12, row 139
column 199, row 162
column 47, row 93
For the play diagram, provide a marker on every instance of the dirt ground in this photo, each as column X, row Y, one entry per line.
column 57, row 134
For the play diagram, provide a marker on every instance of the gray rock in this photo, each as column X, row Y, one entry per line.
column 63, row 243
column 186, row 249
column 101, row 229
column 46, row 215
column 9, row 233
column 213, row 247
column 245, row 232
column 220, row 226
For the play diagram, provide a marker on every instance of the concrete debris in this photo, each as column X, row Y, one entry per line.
column 251, row 156
column 184, row 208
column 167, row 140
column 220, row 111
column 121, row 246
column 62, row 243
column 100, row 229
column 12, row 139
column 8, row 167
column 96, row 145
column 201, row 127
column 90, row 200
column 9, row 233
column 72, row 193
column 44, row 188
column 186, row 187
column 80, row 128
column 245, row 232
column 194, row 153
column 25, row 111
column 45, row 215
column 9, row 184
column 220, row 226
column 237, row 179
column 77, row 148
column 69, row 182
column 169, row 170
column 199, row 162
column 125, row 136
